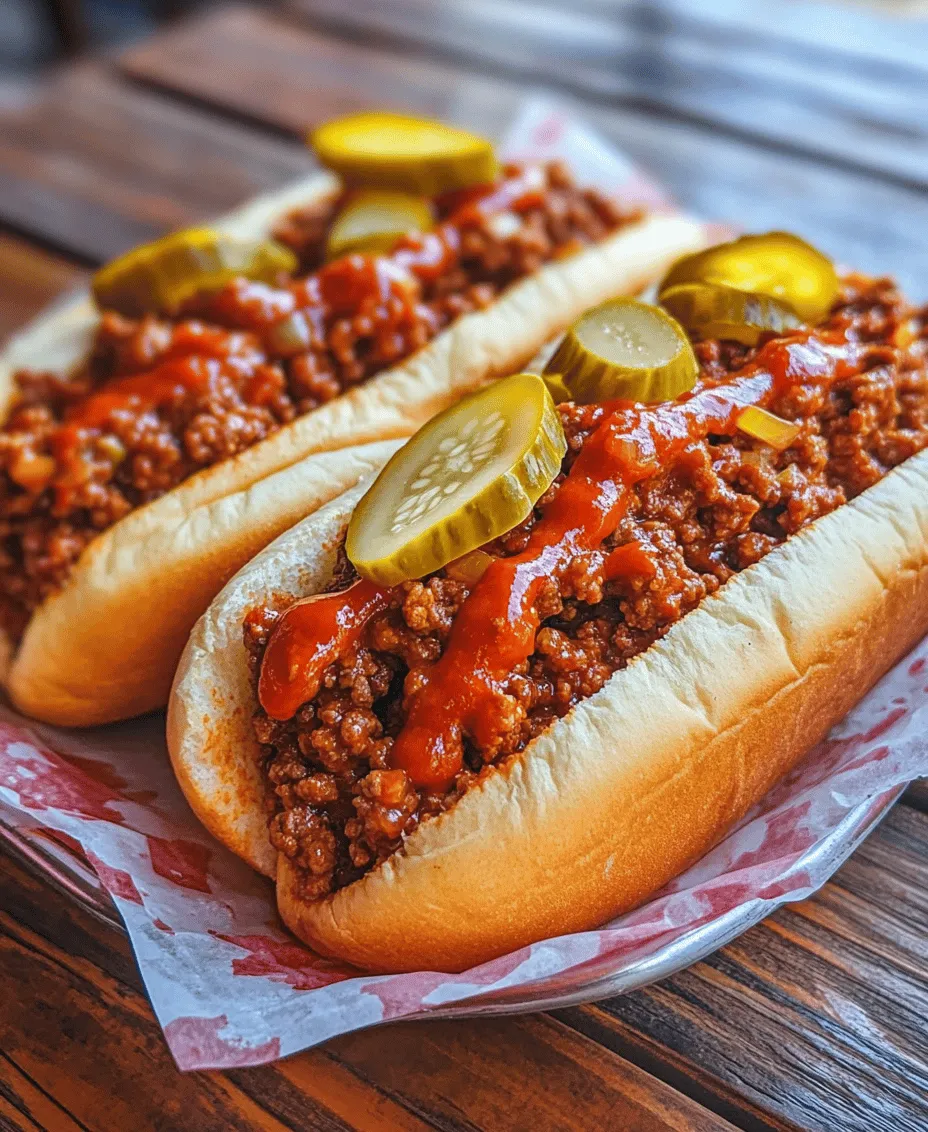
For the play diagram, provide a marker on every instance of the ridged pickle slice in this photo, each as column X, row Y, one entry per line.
column 713, row 311
column 556, row 387
column 394, row 151
column 625, row 349
column 160, row 276
column 468, row 476
column 777, row 264
column 372, row 220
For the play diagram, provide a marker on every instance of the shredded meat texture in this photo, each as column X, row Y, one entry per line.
column 160, row 398
column 336, row 806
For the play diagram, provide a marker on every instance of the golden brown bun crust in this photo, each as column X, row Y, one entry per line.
column 635, row 784
column 105, row 647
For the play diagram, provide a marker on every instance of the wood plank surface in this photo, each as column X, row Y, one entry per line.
column 818, row 1014
column 806, row 98
column 814, row 1019
column 79, row 1040
column 256, row 66
column 917, row 794
column 94, row 166
column 29, row 279
column 563, row 1085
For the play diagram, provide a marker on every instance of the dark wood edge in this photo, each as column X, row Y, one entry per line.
column 343, row 26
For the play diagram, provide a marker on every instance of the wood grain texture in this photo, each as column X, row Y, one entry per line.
column 817, row 1016
column 809, row 98
column 91, row 1043
column 258, row 67
column 24, row 1105
column 78, row 1036
column 825, row 30
column 93, row 166
column 917, row 794
column 813, row 1020
column 29, row 279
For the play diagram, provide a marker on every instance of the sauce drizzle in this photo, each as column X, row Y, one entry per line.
column 311, row 635
column 494, row 630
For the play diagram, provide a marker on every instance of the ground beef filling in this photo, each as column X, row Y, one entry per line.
column 337, row 807
column 233, row 367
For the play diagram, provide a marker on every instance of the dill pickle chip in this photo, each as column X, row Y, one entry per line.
column 625, row 349
column 713, row 311
column 556, row 387
column 160, row 276
column 374, row 219
column 777, row 264
column 468, row 476
column 380, row 150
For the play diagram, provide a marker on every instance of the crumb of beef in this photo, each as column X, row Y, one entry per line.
column 304, row 230
column 724, row 504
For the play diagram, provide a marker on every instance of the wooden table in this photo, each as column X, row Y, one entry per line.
column 816, row 1019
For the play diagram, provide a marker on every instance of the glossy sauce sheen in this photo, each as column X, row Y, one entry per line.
column 339, row 289
column 197, row 360
column 495, row 628
column 313, row 633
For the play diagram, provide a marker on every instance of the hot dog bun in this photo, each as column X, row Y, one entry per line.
column 621, row 795
column 105, row 647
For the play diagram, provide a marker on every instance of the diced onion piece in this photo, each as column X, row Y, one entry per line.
column 468, row 476
column 394, row 151
column 373, row 220
column 712, row 311
column 777, row 264
column 768, row 427
column 625, row 349
column 470, row 568
column 504, row 225
column 112, row 448
column 291, row 335
column 31, row 470
column 160, row 276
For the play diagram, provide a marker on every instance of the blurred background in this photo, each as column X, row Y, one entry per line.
column 34, row 32
column 120, row 119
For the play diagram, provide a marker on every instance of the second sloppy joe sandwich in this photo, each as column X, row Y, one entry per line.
column 228, row 369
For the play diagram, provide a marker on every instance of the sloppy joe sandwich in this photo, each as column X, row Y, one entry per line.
column 158, row 437
column 554, row 651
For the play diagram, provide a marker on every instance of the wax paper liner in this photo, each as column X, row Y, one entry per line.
column 231, row 988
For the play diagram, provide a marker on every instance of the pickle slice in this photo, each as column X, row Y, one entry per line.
column 768, row 427
column 374, row 219
column 472, row 473
column 393, row 151
column 160, row 276
column 625, row 349
column 713, row 311
column 556, row 387
column 777, row 264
